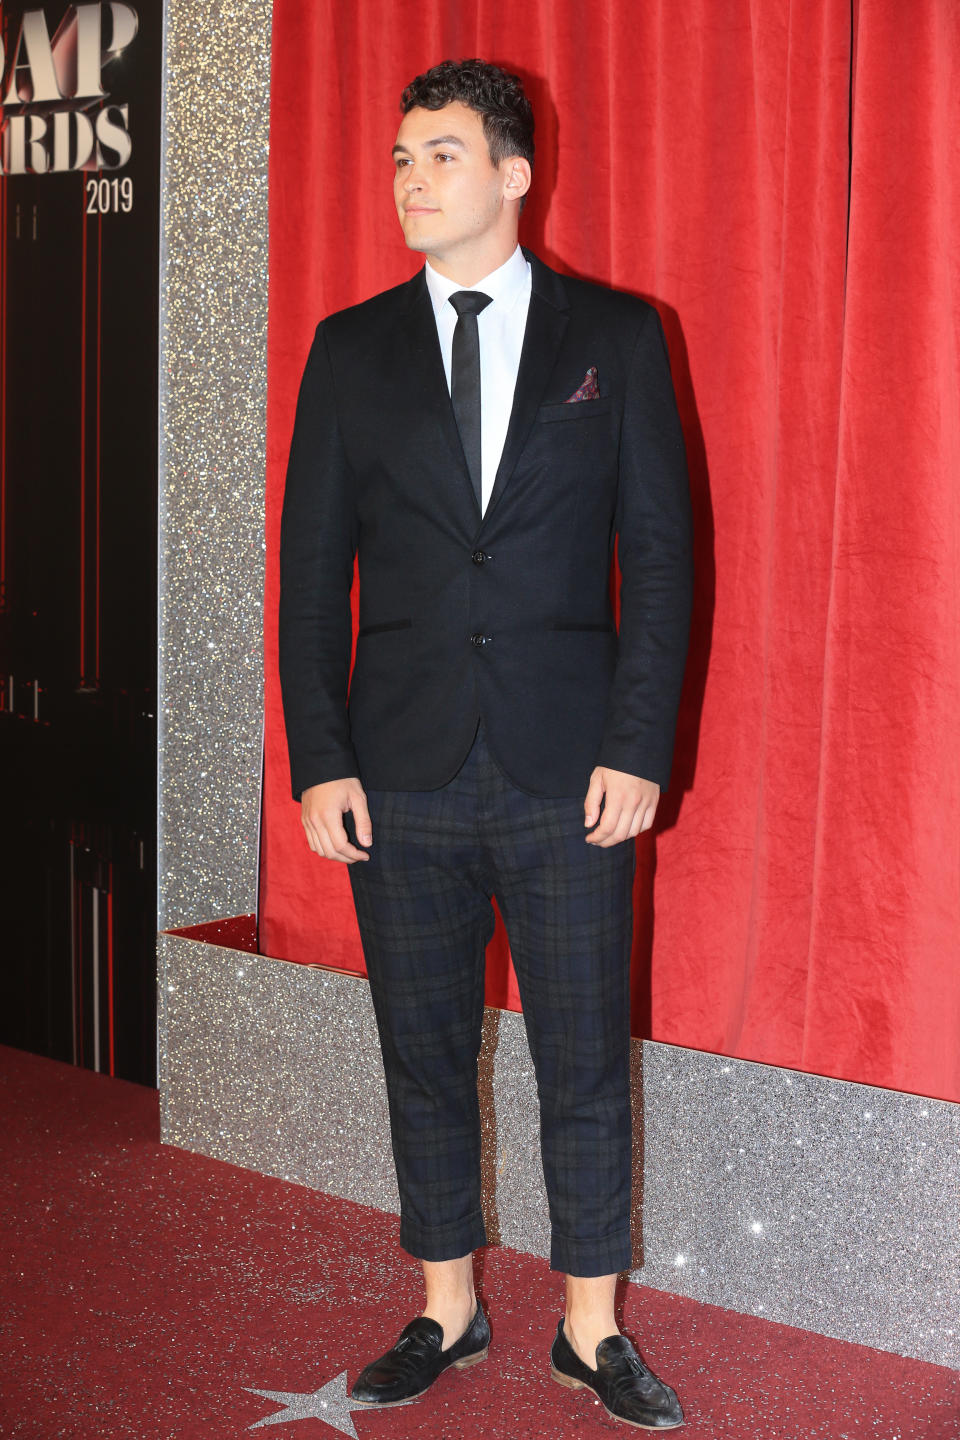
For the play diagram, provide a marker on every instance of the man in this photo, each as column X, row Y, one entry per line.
column 477, row 437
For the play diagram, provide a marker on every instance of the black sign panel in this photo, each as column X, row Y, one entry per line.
column 79, row 218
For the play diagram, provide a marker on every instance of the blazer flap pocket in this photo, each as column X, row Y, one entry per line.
column 382, row 629
column 576, row 409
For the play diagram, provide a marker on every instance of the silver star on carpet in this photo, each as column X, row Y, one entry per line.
column 330, row 1403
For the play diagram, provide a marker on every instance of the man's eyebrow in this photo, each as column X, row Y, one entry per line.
column 439, row 140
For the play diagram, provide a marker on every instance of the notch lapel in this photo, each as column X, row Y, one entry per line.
column 546, row 323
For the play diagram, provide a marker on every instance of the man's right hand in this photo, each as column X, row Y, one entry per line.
column 322, row 808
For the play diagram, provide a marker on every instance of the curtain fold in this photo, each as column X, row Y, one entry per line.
column 882, row 983
column 799, row 901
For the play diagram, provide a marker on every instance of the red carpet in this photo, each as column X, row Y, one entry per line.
column 147, row 1292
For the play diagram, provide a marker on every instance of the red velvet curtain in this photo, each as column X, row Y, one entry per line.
column 782, row 181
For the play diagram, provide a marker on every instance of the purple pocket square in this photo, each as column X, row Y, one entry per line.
column 588, row 389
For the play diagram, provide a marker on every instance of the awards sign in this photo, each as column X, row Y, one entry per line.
column 59, row 112
column 79, row 255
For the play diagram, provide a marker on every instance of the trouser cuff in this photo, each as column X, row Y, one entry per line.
column 443, row 1242
column 606, row 1255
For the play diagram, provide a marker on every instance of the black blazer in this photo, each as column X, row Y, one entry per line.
column 507, row 615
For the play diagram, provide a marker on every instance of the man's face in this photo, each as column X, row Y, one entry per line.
column 449, row 195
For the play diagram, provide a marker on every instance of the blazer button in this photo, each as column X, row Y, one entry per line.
column 479, row 639
column 478, row 557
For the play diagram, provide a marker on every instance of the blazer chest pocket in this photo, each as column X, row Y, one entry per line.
column 576, row 410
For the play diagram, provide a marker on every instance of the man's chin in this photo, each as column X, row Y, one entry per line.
column 417, row 240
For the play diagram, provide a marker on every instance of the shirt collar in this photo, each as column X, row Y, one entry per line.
column 504, row 285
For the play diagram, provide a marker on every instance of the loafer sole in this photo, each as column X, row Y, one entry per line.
column 462, row 1364
column 573, row 1384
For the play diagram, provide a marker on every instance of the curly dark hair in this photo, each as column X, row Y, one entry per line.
column 496, row 96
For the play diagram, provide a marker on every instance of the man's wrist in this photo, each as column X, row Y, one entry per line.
column 337, row 767
column 637, row 762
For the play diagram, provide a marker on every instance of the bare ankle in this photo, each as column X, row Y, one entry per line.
column 453, row 1315
column 451, row 1299
column 585, row 1335
column 589, row 1316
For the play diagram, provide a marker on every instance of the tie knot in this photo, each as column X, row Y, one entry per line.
column 470, row 302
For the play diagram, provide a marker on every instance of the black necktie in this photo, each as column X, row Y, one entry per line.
column 465, row 378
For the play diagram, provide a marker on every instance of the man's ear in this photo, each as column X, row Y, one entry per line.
column 518, row 177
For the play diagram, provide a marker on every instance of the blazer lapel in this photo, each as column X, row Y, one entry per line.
column 546, row 323
column 426, row 373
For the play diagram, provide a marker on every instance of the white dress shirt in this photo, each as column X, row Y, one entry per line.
column 500, row 327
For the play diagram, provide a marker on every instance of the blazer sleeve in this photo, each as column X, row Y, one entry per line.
column 318, row 543
column 655, row 552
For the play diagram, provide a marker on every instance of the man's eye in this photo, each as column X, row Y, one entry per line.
column 442, row 156
column 401, row 163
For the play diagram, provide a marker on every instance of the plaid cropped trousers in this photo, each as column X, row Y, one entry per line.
column 423, row 903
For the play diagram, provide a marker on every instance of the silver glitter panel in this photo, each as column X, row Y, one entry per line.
column 826, row 1205
column 275, row 1067
column 213, row 326
column 818, row 1203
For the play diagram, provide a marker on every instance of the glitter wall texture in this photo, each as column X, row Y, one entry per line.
column 213, row 382
column 819, row 1203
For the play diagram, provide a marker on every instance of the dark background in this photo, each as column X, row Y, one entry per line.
column 78, row 378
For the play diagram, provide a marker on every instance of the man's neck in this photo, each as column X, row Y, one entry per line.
column 465, row 269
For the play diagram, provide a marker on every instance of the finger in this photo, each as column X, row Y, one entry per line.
column 592, row 799
column 336, row 845
column 608, row 823
column 621, row 830
column 312, row 836
column 361, row 819
column 645, row 812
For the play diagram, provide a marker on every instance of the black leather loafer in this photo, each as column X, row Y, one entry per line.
column 627, row 1388
column 408, row 1370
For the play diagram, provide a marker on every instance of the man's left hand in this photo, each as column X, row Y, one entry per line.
column 629, row 805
